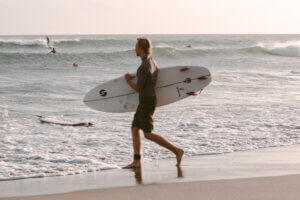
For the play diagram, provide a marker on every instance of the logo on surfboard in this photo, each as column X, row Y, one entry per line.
column 103, row 93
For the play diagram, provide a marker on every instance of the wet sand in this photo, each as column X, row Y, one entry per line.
column 284, row 187
column 258, row 174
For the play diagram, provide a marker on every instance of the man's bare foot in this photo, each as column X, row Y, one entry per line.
column 179, row 156
column 134, row 164
column 179, row 172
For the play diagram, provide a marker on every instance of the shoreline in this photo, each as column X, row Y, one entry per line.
column 269, row 162
column 267, row 188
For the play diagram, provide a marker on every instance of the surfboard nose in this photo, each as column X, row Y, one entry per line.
column 85, row 98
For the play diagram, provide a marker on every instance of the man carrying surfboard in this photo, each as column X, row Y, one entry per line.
column 145, row 86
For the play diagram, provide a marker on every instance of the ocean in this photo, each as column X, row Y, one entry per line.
column 252, row 102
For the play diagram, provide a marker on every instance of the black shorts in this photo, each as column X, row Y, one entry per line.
column 143, row 115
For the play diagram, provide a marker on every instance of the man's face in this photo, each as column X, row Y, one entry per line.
column 137, row 49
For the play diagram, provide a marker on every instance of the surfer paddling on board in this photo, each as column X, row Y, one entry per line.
column 53, row 50
column 145, row 86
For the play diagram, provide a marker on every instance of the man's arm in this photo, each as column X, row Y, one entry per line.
column 134, row 86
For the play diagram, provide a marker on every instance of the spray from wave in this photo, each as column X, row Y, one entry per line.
column 291, row 48
column 60, row 41
column 22, row 42
column 5, row 112
column 34, row 42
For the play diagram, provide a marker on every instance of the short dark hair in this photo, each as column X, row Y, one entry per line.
column 145, row 44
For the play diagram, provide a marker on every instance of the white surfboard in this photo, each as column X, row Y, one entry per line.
column 173, row 84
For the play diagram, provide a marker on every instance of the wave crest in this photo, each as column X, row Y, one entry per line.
column 290, row 49
column 36, row 42
column 60, row 41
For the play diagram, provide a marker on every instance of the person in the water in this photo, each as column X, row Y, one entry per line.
column 53, row 50
column 48, row 45
column 48, row 42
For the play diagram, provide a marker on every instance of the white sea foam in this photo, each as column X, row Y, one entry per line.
column 162, row 45
column 290, row 48
column 37, row 41
column 4, row 113
column 42, row 41
column 24, row 42
column 56, row 41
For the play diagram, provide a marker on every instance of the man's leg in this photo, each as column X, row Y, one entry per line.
column 136, row 141
column 165, row 143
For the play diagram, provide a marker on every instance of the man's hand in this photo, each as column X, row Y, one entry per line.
column 128, row 77
column 134, row 86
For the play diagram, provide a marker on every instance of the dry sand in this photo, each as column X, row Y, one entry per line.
column 268, row 188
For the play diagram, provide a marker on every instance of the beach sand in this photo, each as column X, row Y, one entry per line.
column 271, row 173
column 281, row 188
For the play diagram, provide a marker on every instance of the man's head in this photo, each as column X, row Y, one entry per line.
column 143, row 47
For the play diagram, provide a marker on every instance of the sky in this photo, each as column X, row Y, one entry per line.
column 39, row 17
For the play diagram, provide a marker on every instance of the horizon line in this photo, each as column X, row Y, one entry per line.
column 151, row 34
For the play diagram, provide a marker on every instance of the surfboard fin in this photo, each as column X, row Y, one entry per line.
column 192, row 93
column 202, row 77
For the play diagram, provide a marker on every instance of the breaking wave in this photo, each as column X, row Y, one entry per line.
column 58, row 42
column 290, row 49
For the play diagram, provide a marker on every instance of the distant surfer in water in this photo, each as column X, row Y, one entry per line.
column 48, row 42
column 53, row 50
column 48, row 45
column 145, row 86
column 189, row 46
